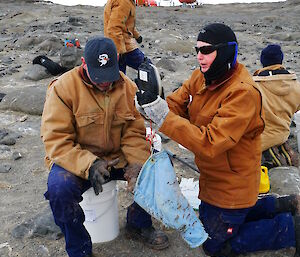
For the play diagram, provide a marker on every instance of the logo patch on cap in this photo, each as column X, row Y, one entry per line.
column 229, row 230
column 103, row 59
column 202, row 31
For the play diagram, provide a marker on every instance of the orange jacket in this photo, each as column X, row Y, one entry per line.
column 119, row 24
column 281, row 99
column 80, row 123
column 222, row 128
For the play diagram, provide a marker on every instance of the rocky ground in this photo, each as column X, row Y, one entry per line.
column 29, row 29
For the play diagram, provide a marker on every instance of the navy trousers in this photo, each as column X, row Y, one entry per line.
column 246, row 230
column 64, row 194
column 132, row 59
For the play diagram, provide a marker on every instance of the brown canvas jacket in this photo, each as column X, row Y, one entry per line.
column 119, row 24
column 222, row 128
column 281, row 99
column 81, row 123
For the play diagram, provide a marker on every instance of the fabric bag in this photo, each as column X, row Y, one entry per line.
column 157, row 192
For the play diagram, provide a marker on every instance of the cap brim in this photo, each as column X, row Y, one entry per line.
column 110, row 74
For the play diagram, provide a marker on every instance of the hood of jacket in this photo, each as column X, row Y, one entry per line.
column 281, row 84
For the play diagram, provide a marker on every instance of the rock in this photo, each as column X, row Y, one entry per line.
column 29, row 100
column 5, row 152
column 4, row 168
column 285, row 180
column 1, row 96
column 23, row 118
column 70, row 57
column 167, row 64
column 51, row 45
column 283, row 36
column 8, row 141
column 3, row 133
column 42, row 225
column 16, row 156
column 36, row 72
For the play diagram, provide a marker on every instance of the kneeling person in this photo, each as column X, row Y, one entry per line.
column 93, row 133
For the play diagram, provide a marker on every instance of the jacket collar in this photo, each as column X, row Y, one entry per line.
column 271, row 67
column 218, row 83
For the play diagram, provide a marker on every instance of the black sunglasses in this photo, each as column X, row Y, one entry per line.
column 209, row 49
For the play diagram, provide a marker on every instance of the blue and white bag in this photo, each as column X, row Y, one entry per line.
column 157, row 192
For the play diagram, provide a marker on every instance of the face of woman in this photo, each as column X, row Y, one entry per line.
column 205, row 60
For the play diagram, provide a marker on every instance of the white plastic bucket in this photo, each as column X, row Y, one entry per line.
column 101, row 213
column 297, row 121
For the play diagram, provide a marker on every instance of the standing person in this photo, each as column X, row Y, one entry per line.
column 217, row 114
column 281, row 99
column 93, row 133
column 119, row 25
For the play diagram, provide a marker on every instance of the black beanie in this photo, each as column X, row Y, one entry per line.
column 217, row 33
column 271, row 55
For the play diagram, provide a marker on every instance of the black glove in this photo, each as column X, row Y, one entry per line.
column 99, row 173
column 145, row 97
column 139, row 39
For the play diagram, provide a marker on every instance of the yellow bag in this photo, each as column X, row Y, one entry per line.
column 264, row 186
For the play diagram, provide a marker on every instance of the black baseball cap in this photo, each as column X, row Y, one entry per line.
column 100, row 54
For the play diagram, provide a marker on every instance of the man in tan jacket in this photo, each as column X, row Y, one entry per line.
column 281, row 99
column 119, row 25
column 92, row 134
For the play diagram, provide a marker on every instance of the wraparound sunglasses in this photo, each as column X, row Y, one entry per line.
column 210, row 48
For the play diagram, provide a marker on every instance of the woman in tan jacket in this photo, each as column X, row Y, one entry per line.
column 217, row 114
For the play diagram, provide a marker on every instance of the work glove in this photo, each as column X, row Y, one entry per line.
column 157, row 111
column 139, row 39
column 154, row 107
column 99, row 173
column 145, row 97
column 131, row 173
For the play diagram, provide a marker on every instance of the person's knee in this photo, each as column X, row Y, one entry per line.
column 63, row 184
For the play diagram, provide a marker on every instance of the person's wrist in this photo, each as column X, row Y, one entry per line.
column 154, row 102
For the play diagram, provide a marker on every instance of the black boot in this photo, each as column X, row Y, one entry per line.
column 297, row 235
column 287, row 204
column 154, row 239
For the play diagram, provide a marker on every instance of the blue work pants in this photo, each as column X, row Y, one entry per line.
column 246, row 230
column 64, row 194
column 132, row 59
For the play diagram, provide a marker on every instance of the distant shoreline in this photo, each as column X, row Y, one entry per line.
column 177, row 3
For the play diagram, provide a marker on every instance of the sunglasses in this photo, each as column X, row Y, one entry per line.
column 209, row 49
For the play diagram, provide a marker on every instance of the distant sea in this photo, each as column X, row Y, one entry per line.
column 102, row 2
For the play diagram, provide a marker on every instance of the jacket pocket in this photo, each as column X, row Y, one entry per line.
column 121, row 118
column 87, row 119
column 90, row 131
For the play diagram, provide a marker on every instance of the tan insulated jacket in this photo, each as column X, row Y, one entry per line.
column 80, row 123
column 281, row 99
column 222, row 128
column 119, row 24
